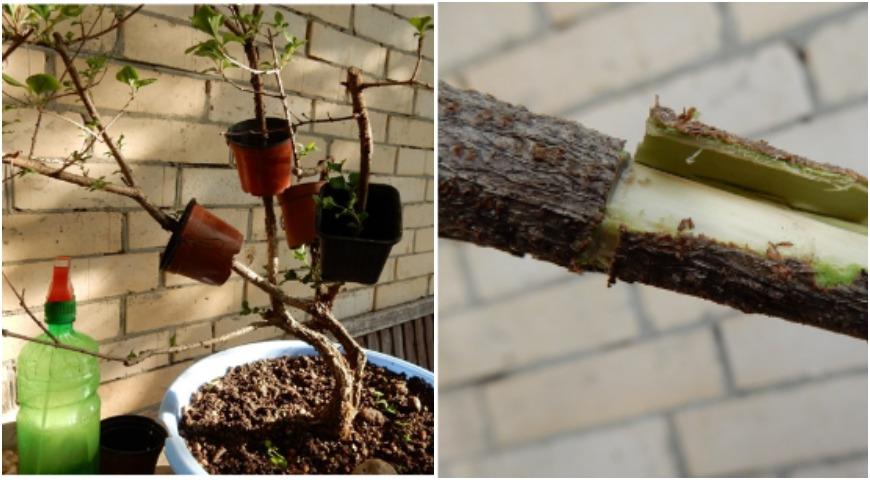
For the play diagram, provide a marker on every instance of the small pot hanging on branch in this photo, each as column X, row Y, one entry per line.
column 203, row 247
column 264, row 162
column 299, row 210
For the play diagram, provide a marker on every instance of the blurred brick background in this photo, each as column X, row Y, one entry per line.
column 172, row 138
column 547, row 373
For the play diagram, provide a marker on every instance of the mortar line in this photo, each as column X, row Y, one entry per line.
column 721, row 352
column 675, row 446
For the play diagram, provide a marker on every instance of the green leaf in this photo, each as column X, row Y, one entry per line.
column 353, row 180
column 97, row 62
column 43, row 11
column 300, row 254
column 278, row 18
column 172, row 340
column 327, row 203
column 290, row 275
column 246, row 308
column 42, row 83
column 209, row 48
column 207, row 19
column 144, row 82
column 11, row 81
column 334, row 166
column 127, row 75
column 421, row 24
column 293, row 44
column 71, row 10
column 232, row 37
column 338, row 183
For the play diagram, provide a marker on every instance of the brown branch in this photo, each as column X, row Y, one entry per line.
column 165, row 221
column 328, row 119
column 141, row 356
column 108, row 29
column 62, row 346
column 366, row 144
column 410, row 81
column 17, row 43
column 23, row 305
column 283, row 94
column 258, row 281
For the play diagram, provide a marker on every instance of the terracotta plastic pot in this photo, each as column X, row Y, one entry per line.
column 345, row 257
column 203, row 247
column 298, row 209
column 264, row 164
column 130, row 445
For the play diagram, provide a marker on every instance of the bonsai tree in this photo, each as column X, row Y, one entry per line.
column 225, row 25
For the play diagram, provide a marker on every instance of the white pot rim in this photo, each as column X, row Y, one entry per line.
column 178, row 395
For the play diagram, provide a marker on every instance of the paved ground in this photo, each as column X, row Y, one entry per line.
column 544, row 372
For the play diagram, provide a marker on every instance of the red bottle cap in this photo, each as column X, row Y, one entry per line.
column 61, row 289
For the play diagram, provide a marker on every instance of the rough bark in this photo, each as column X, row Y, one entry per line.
column 527, row 183
column 749, row 282
column 521, row 182
column 354, row 85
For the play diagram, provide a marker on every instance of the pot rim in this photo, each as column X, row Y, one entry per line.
column 301, row 189
column 216, row 365
column 141, row 421
column 234, row 131
column 168, row 254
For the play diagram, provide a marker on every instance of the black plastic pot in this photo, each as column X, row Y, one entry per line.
column 130, row 445
column 346, row 257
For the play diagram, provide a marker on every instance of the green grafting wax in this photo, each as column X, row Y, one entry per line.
column 735, row 164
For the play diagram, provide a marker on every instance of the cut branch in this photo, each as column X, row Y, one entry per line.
column 538, row 185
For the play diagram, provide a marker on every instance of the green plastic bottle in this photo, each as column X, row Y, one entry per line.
column 58, row 421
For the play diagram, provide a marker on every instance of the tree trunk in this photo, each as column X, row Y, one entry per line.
column 538, row 185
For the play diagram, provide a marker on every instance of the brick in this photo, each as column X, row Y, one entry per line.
column 99, row 320
column 842, row 469
column 411, row 132
column 22, row 64
column 838, row 138
column 56, row 139
column 354, row 302
column 335, row 14
column 144, row 232
column 669, row 309
column 310, row 160
column 189, row 335
column 296, row 24
column 180, row 305
column 113, row 370
column 169, row 141
column 36, row 236
column 166, row 48
column 312, row 77
column 398, row 99
column 383, row 156
column 405, row 245
column 169, row 95
column 424, row 240
column 36, row 192
column 764, row 350
column 664, row 36
column 388, row 274
column 771, row 85
column 569, row 317
column 410, row 10
column 410, row 189
column 429, row 164
column 399, row 292
column 425, row 103
column 803, row 424
column 639, row 449
column 372, row 22
column 139, row 391
column 92, row 278
column 415, row 265
column 213, row 186
column 105, row 42
column 412, row 161
column 230, row 105
column 563, row 14
column 617, row 384
column 755, row 21
column 461, row 424
column 337, row 47
column 180, row 12
column 430, row 190
column 837, row 59
column 401, row 66
column 227, row 325
column 346, row 128
column 419, row 215
column 505, row 23
column 258, row 223
column 496, row 273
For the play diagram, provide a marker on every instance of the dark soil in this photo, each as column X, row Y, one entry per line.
column 258, row 419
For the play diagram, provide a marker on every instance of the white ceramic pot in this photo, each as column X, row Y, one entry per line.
column 214, row 366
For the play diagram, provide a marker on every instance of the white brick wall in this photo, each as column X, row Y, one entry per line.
column 172, row 136
column 547, row 373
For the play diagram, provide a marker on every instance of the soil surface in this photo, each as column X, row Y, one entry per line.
column 257, row 419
